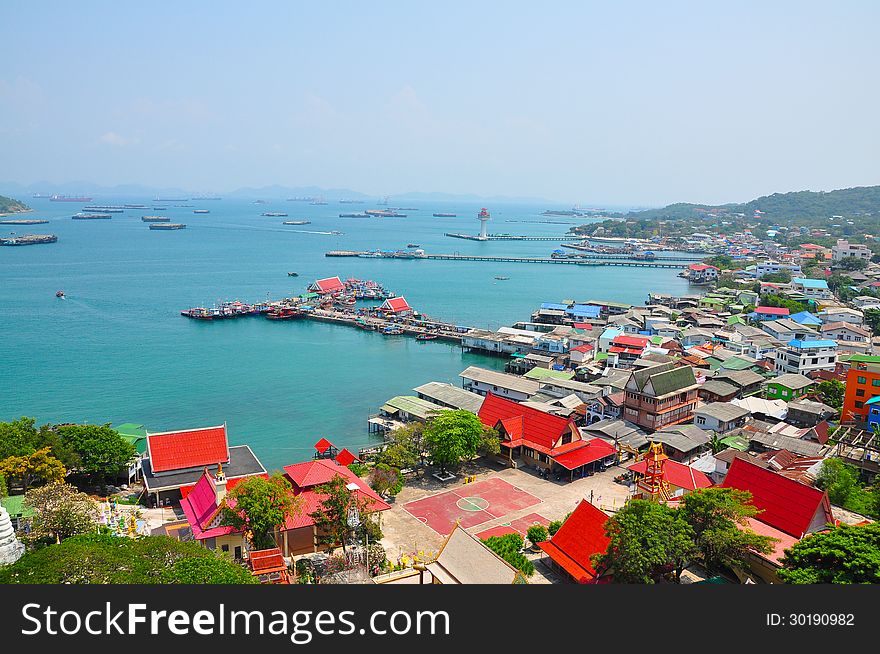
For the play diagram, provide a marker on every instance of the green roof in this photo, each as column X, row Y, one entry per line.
column 15, row 505
column 415, row 406
column 736, row 320
column 735, row 363
column 135, row 434
column 601, row 356
column 657, row 340
column 544, row 373
column 736, row 442
column 605, row 303
column 670, row 381
column 862, row 358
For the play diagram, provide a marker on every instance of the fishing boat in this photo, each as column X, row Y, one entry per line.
column 445, row 215
column 293, row 274
column 198, row 313
column 413, row 245
column 392, row 330
column 284, row 313
column 201, row 211
column 59, row 294
column 426, row 337
column 502, row 278
column 297, row 222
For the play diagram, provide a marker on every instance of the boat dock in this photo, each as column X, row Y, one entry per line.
column 508, row 237
column 29, row 239
column 20, row 221
column 577, row 260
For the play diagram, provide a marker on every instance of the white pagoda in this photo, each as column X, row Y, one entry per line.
column 11, row 548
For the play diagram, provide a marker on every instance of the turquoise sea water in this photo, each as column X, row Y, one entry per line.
column 117, row 350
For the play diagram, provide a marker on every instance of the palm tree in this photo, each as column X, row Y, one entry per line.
column 715, row 444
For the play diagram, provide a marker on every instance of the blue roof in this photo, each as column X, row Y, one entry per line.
column 801, row 344
column 873, row 400
column 611, row 332
column 555, row 306
column 590, row 310
column 810, row 283
column 805, row 318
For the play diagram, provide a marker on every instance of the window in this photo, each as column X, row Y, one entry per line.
column 861, row 380
column 860, row 392
column 859, row 405
column 700, row 420
column 875, row 382
column 225, row 548
column 237, row 552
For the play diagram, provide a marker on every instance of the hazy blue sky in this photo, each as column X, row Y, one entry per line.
column 623, row 102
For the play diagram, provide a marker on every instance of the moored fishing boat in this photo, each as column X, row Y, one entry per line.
column 426, row 337
column 284, row 313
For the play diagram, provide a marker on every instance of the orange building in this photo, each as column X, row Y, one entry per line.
column 862, row 383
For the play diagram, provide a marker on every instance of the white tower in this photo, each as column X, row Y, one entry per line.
column 483, row 217
column 11, row 548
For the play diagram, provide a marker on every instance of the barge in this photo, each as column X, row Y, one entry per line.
column 29, row 239
column 155, row 219
column 91, row 216
column 21, row 221
column 167, row 226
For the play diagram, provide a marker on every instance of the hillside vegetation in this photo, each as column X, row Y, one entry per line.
column 8, row 205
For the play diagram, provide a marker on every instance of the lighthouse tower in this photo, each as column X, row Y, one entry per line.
column 483, row 217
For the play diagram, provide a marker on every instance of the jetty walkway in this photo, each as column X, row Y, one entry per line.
column 509, row 237
column 576, row 260
column 410, row 326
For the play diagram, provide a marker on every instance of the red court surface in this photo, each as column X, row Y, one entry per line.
column 519, row 526
column 470, row 505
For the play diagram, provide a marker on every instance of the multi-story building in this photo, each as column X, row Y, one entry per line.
column 803, row 356
column 812, row 288
column 660, row 395
column 845, row 249
column 771, row 267
column 862, row 384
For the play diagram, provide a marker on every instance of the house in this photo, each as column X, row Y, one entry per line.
column 660, row 395
column 299, row 534
column 725, row 457
column 807, row 413
column 769, row 313
column 397, row 306
column 564, row 387
column 806, row 319
column 789, row 510
column 845, row 331
column 772, row 267
column 842, row 314
column 682, row 442
column 805, row 356
column 748, row 381
column 175, row 461
column 608, row 335
column 628, row 438
column 785, row 329
column 581, row 536
column 720, row 417
column 787, row 387
column 483, row 381
column 701, row 273
column 845, row 249
column 812, row 288
column 628, row 348
column 409, row 408
column 136, row 435
column 204, row 508
column 447, row 395
column 542, row 439
column 327, row 286
column 581, row 354
column 694, row 336
column 462, row 559
column 758, row 407
column 604, row 407
column 717, row 390
column 862, row 384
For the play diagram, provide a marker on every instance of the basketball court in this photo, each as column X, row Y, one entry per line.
column 519, row 526
column 470, row 505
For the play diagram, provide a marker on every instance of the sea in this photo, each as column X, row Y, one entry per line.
column 117, row 349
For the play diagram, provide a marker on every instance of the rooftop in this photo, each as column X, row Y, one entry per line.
column 501, row 379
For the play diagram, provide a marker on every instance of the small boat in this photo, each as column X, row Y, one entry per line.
column 426, row 337
column 392, row 330
column 284, row 314
column 334, row 232
column 502, row 278
column 293, row 274
column 59, row 294
column 413, row 245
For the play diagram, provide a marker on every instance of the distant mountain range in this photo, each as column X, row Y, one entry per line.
column 272, row 192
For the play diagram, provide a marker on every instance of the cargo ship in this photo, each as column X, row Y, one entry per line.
column 445, row 215
column 91, row 216
column 274, row 214
column 155, row 219
column 297, row 222
column 68, row 198
column 201, row 211
column 354, row 215
column 384, row 213
column 167, row 226
column 29, row 239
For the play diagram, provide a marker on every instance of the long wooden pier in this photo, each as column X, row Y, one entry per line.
column 565, row 261
column 510, row 237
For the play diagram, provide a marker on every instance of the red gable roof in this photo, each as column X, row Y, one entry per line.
column 677, row 474
column 192, row 448
column 231, row 482
column 395, row 304
column 786, row 504
column 772, row 311
column 200, row 507
column 523, row 422
column 630, row 341
column 586, row 347
column 329, row 285
column 581, row 536
column 345, row 457
column 701, row 266
column 309, row 474
column 582, row 325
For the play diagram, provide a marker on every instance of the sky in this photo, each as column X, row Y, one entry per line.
column 628, row 103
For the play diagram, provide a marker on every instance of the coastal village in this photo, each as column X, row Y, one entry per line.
column 759, row 385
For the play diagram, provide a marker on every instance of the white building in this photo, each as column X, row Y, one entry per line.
column 842, row 314
column 771, row 267
column 812, row 288
column 845, row 249
column 802, row 357
column 483, row 381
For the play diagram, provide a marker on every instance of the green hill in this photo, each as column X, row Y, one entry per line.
column 801, row 205
column 8, row 205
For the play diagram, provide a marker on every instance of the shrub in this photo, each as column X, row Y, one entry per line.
column 553, row 527
column 537, row 534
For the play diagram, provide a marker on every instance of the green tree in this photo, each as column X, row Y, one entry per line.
column 781, row 277
column 386, row 480
column 60, row 511
column 843, row 555
column 453, row 436
column 851, row 263
column 490, row 443
column 537, row 534
column 832, row 392
column 30, row 469
column 405, row 446
column 715, row 515
column 872, row 320
column 839, row 480
column 716, row 444
column 260, row 506
column 649, row 541
column 105, row 559
column 3, row 489
column 21, row 438
column 103, row 453
column 553, row 527
column 509, row 547
column 339, row 504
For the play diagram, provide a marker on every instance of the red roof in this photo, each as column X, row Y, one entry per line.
column 630, row 341
column 772, row 311
column 263, row 561
column 345, row 457
column 200, row 508
column 595, row 450
column 785, row 504
column 624, row 350
column 192, row 448
column 586, row 347
column 329, row 285
column 323, row 445
column 231, row 482
column 581, row 536
column 677, row 474
column 396, row 305
column 582, row 325
column 309, row 474
column 701, row 266
column 523, row 422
